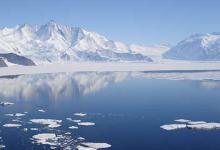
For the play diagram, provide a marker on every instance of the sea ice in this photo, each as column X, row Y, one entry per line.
column 11, row 125
column 182, row 120
column 19, row 115
column 96, row 145
column 45, row 138
column 86, row 123
column 73, row 127
column 41, row 110
column 6, row 103
column 204, row 126
column 10, row 115
column 80, row 114
column 173, row 126
column 51, row 123
column 196, row 122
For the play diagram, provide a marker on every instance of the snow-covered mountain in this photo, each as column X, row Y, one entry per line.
column 197, row 47
column 53, row 42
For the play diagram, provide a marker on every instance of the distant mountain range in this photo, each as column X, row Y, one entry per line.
column 56, row 43
column 197, row 47
column 53, row 42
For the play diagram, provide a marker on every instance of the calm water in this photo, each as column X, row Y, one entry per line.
column 127, row 109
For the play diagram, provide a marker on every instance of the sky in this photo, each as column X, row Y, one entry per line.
column 145, row 22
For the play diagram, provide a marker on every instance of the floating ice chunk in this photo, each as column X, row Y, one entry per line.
column 169, row 127
column 25, row 112
column 25, row 129
column 51, row 123
column 79, row 147
column 34, row 129
column 6, row 103
column 196, row 122
column 46, row 138
column 76, row 121
column 11, row 125
column 19, row 115
column 69, row 119
column 41, row 110
column 96, row 145
column 80, row 114
column 2, row 146
column 182, row 120
column 86, row 123
column 80, row 138
column 16, row 120
column 10, row 115
column 67, row 133
column 204, row 126
column 73, row 127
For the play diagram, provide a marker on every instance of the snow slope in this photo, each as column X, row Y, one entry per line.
column 197, row 47
column 54, row 42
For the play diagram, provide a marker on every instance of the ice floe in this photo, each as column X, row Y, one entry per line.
column 79, row 147
column 10, row 125
column 196, row 122
column 86, row 123
column 204, row 126
column 2, row 146
column 51, row 123
column 6, row 103
column 45, row 138
column 96, row 145
column 173, row 126
column 197, row 125
column 41, row 110
column 10, row 115
column 19, row 115
column 182, row 120
column 80, row 114
column 73, row 127
column 76, row 121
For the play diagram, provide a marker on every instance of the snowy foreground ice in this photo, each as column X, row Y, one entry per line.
column 197, row 125
column 111, row 67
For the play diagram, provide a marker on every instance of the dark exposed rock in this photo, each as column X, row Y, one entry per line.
column 16, row 59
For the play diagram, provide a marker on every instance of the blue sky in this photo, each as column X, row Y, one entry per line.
column 143, row 22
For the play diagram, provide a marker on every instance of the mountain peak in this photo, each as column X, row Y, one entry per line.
column 55, row 42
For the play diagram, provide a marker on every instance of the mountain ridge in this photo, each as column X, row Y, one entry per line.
column 205, row 47
column 53, row 42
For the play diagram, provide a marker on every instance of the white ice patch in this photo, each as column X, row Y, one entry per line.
column 73, row 127
column 10, row 115
column 204, row 126
column 80, row 114
column 51, row 123
column 198, row 125
column 86, row 123
column 182, row 120
column 169, row 127
column 6, row 103
column 10, row 125
column 45, row 138
column 196, row 122
column 79, row 147
column 2, row 146
column 19, row 115
column 76, row 121
column 41, row 110
column 96, row 145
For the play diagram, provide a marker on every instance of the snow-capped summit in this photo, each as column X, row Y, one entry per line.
column 197, row 47
column 53, row 42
